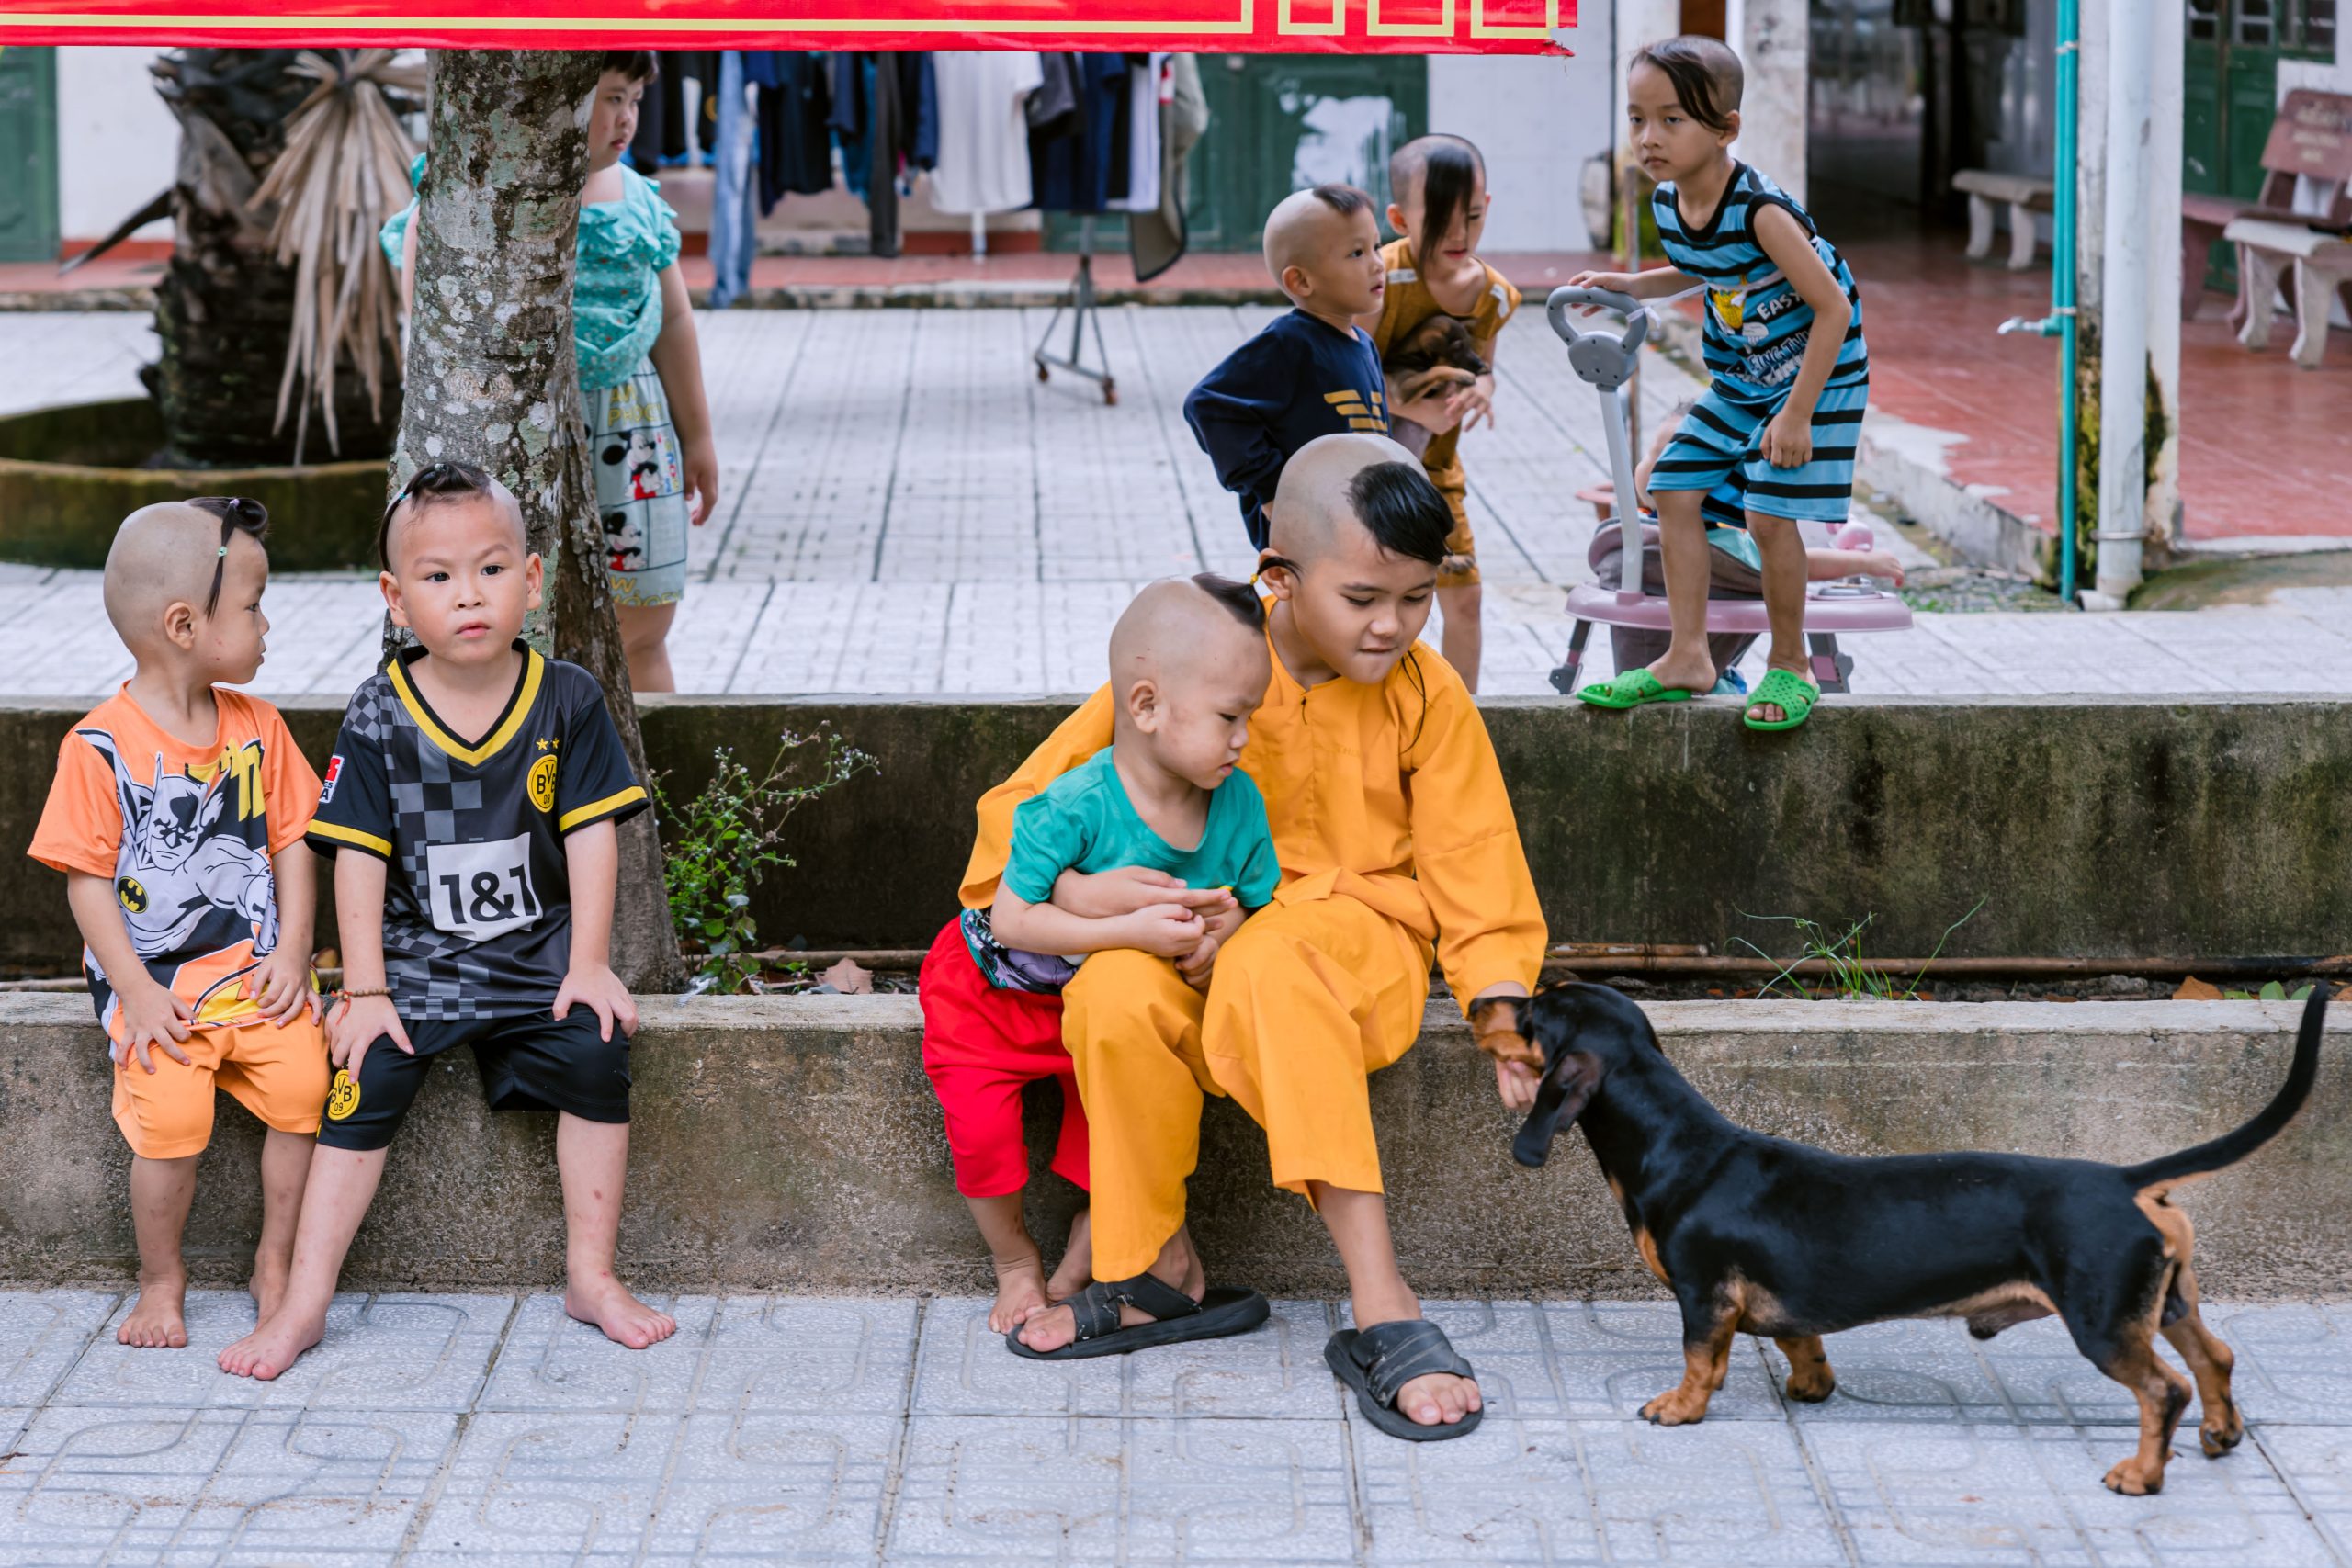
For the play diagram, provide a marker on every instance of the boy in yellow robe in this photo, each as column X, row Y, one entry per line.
column 1396, row 843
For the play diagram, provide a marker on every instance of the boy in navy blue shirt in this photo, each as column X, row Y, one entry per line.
column 1309, row 374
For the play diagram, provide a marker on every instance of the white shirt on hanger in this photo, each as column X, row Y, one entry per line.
column 1143, row 136
column 983, row 134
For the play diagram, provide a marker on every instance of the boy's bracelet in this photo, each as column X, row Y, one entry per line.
column 346, row 996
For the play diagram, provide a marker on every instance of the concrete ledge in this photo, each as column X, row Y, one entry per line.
column 2090, row 827
column 793, row 1143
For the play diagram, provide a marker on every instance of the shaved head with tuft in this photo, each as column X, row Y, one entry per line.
column 1368, row 481
column 161, row 554
column 1179, row 625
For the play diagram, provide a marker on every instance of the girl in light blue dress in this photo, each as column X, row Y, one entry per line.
column 641, row 372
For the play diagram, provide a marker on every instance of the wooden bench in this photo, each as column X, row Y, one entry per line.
column 2311, row 137
column 2023, row 195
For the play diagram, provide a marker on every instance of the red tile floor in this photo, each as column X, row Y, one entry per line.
column 2265, row 448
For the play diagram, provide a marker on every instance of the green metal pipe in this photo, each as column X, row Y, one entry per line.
column 2062, row 282
column 2059, row 323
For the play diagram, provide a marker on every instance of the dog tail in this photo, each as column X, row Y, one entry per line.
column 2232, row 1147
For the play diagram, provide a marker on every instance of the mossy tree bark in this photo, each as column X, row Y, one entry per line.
column 226, row 307
column 493, row 380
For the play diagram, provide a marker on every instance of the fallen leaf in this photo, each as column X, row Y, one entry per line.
column 849, row 979
column 2193, row 989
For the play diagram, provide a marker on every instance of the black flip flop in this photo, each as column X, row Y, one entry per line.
column 1178, row 1318
column 1378, row 1362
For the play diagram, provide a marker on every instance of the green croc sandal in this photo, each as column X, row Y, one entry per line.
column 1631, row 690
column 1790, row 693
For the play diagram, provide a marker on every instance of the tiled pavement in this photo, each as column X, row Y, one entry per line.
column 905, row 509
column 436, row 1429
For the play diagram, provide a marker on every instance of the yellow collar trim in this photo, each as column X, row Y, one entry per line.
column 508, row 727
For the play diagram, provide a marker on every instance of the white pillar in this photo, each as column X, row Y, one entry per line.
column 1772, row 38
column 2167, row 99
column 2123, row 305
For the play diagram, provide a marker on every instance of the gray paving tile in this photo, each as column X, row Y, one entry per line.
column 2045, row 1378
column 1969, row 1493
column 550, row 1487
column 2316, row 1462
column 42, row 1332
column 773, row 1485
column 1275, row 1373
column 2294, row 1361
column 1089, row 1490
column 1531, row 1491
column 786, row 1353
column 1609, row 1358
column 1920, row 1370
column 160, row 1484
column 551, row 1363
column 384, row 1352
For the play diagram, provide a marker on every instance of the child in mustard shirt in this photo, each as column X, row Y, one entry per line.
column 1439, row 185
column 177, row 817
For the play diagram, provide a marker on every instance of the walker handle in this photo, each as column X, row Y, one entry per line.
column 1568, row 296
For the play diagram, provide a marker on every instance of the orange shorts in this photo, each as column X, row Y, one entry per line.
column 276, row 1071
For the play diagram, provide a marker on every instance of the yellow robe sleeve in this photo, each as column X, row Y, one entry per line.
column 1467, row 854
column 1076, row 737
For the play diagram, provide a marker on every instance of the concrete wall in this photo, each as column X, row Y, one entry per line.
column 115, row 141
column 1537, row 121
column 2187, row 825
column 793, row 1143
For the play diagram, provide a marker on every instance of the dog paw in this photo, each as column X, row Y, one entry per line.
column 1676, row 1407
column 2134, row 1479
column 1811, row 1388
column 2220, row 1439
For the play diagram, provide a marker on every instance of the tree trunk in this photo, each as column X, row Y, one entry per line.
column 225, row 308
column 494, row 380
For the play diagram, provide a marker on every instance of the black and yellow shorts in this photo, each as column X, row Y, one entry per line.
column 528, row 1062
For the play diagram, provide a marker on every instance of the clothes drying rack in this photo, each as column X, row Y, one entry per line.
column 1083, row 306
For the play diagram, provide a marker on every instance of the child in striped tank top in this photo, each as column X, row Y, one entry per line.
column 1784, row 342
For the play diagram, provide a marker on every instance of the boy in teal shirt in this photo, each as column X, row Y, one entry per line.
column 1190, row 661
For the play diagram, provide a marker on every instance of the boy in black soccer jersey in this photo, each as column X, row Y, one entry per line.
column 470, row 807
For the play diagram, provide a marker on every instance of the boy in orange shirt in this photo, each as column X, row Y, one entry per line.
column 177, row 817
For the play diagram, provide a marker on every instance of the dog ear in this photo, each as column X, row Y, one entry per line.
column 1568, row 1085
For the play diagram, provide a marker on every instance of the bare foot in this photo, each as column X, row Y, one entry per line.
column 1697, row 676
column 267, row 1287
column 269, row 1349
column 1177, row 1264
column 1020, row 1291
column 1077, row 1266
column 606, row 1304
column 159, row 1320
column 1440, row 1398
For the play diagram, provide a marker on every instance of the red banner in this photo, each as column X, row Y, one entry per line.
column 1233, row 26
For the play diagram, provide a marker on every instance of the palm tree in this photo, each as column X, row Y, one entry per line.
column 227, row 308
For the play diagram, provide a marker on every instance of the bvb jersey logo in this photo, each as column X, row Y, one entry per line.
column 543, row 784
column 344, row 1097
column 131, row 894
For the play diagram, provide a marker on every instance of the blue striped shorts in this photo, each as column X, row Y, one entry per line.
column 1719, row 446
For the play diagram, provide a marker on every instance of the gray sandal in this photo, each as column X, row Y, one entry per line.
column 1177, row 1318
column 1378, row 1362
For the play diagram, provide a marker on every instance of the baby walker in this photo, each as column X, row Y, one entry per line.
column 1850, row 605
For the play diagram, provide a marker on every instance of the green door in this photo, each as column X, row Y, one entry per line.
column 27, row 154
column 2230, row 85
column 1278, row 123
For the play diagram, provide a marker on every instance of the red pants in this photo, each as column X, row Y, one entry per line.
column 979, row 1046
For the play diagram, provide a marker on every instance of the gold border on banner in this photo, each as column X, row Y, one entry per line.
column 1481, row 27
column 1246, row 23
column 1290, row 27
column 1375, row 27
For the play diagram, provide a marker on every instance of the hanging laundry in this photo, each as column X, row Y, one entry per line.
column 795, row 151
column 1081, row 169
column 1053, row 107
column 1155, row 239
column 983, row 130
column 1142, row 145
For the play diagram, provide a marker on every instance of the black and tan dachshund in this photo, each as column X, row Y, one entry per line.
column 1758, row 1234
